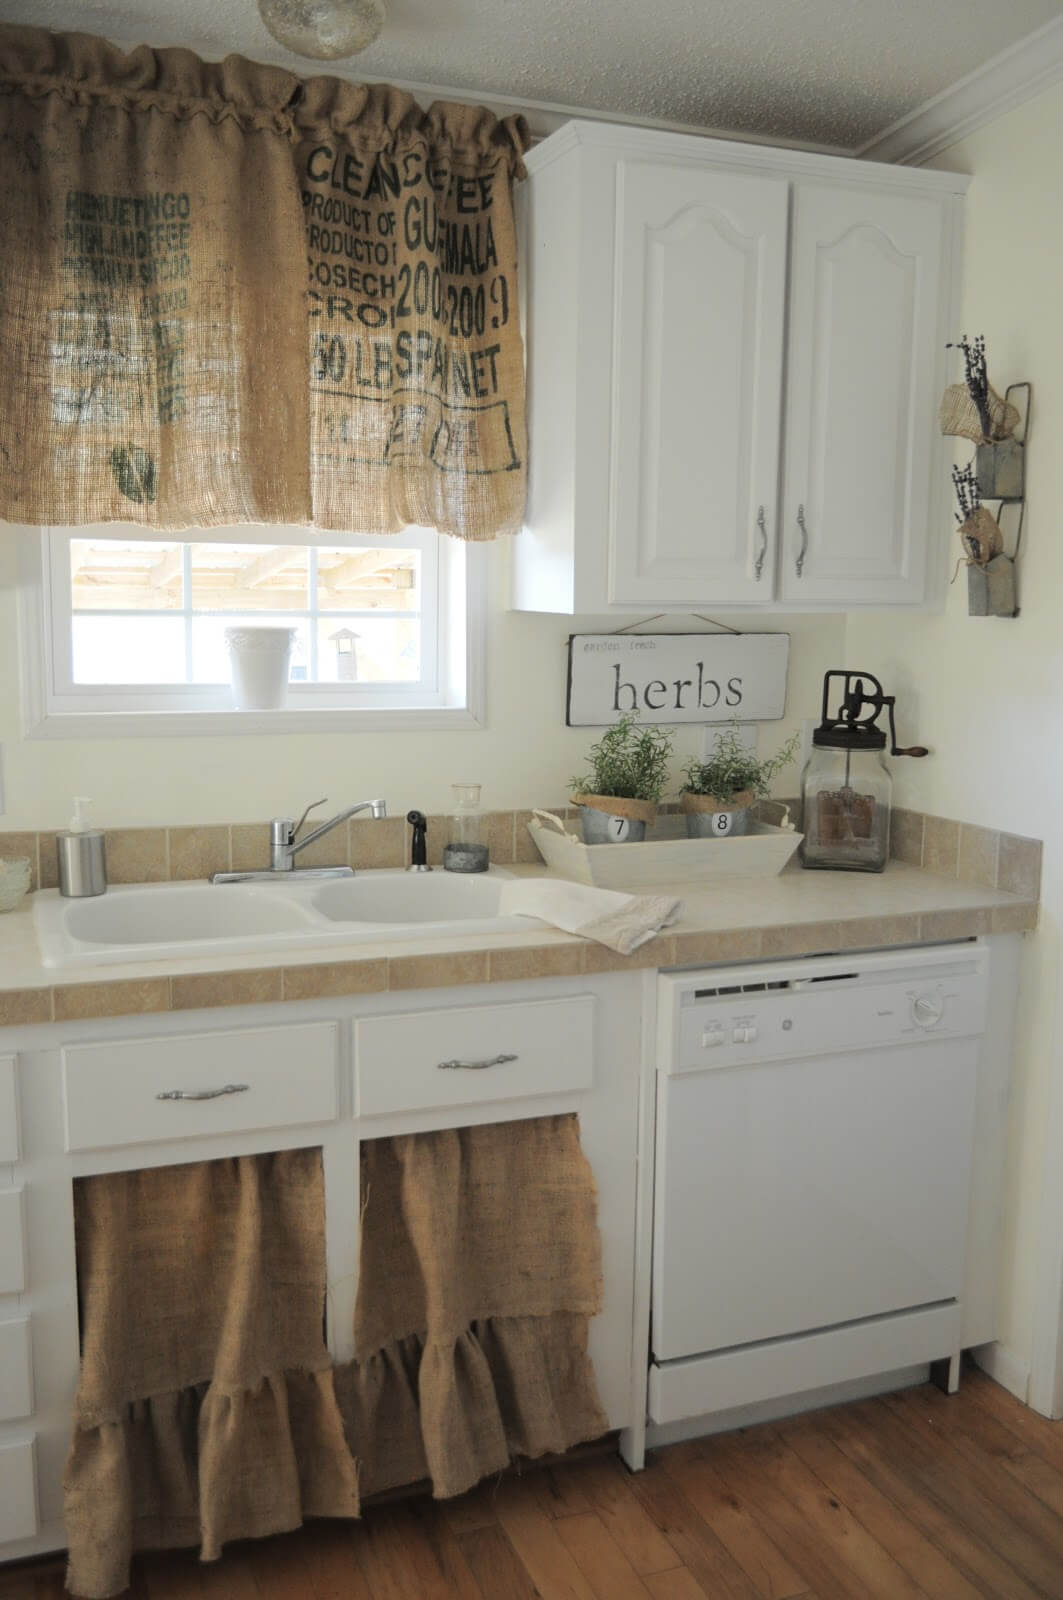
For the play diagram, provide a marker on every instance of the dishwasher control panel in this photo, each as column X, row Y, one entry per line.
column 769, row 1017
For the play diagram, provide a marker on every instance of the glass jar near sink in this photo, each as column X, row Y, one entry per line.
column 466, row 848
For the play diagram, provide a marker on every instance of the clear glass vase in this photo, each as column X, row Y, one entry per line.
column 466, row 847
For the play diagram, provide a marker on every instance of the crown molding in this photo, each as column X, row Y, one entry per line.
column 1017, row 74
column 542, row 116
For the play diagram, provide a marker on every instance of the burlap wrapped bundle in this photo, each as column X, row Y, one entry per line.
column 481, row 1266
column 205, row 1410
column 232, row 295
column 981, row 537
column 959, row 418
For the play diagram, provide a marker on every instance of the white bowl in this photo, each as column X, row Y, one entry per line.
column 14, row 881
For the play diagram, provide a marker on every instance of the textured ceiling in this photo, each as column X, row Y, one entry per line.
column 830, row 71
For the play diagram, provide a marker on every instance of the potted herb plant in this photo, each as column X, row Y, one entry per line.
column 719, row 793
column 618, row 796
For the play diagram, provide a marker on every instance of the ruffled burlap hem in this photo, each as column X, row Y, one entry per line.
column 454, row 1412
column 201, row 1467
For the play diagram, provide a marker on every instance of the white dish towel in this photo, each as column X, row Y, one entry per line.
column 621, row 921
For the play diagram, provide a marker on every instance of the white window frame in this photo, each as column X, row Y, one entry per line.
column 53, row 707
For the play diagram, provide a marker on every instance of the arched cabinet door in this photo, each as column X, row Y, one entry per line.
column 861, row 431
column 699, row 319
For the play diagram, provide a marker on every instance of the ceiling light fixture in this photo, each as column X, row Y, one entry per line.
column 324, row 30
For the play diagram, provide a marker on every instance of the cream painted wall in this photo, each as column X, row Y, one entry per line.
column 524, row 756
column 985, row 694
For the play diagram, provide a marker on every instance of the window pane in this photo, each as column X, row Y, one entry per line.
column 356, row 609
column 369, row 649
column 210, row 654
column 128, row 649
column 125, row 575
column 249, row 577
column 368, row 580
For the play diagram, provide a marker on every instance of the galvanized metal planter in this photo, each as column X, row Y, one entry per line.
column 599, row 827
column 710, row 818
column 614, row 819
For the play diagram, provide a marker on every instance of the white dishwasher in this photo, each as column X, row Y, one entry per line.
column 813, row 1152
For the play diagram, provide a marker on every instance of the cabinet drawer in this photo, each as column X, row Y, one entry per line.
column 12, row 1243
column 127, row 1093
column 18, row 1491
column 16, row 1379
column 452, row 1058
column 9, row 1129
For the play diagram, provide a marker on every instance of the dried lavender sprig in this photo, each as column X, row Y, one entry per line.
column 976, row 377
column 968, row 494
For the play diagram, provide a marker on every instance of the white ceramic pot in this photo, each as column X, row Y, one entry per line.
column 259, row 660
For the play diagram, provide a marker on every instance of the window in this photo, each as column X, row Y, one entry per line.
column 129, row 633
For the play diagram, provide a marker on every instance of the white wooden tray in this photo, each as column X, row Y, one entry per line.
column 761, row 853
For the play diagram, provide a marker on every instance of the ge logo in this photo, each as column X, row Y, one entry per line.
column 619, row 828
column 721, row 822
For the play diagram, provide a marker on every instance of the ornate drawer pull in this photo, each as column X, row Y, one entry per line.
column 799, row 562
column 202, row 1094
column 475, row 1066
column 758, row 565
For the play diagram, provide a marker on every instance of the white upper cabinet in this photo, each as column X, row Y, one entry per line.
column 734, row 361
column 700, row 309
column 865, row 272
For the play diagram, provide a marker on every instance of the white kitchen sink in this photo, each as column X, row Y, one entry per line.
column 155, row 921
column 410, row 897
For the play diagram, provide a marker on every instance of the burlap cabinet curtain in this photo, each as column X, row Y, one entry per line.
column 232, row 295
column 208, row 1409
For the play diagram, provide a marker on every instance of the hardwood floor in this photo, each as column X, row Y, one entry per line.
column 914, row 1495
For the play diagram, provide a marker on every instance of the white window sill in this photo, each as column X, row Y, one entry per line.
column 199, row 724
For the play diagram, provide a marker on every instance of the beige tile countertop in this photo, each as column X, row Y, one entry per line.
column 731, row 919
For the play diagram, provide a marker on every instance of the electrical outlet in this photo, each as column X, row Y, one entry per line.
column 746, row 731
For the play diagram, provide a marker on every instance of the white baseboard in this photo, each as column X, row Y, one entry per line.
column 1005, row 1368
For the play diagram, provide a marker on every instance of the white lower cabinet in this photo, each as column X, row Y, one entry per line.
column 12, row 1242
column 16, row 1369
column 325, row 1074
column 9, row 1119
column 138, row 1091
column 18, row 1490
column 476, row 1055
column 331, row 1073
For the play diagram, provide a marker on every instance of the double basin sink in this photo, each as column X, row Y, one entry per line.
column 151, row 922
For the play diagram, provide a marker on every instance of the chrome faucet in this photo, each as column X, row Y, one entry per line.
column 285, row 845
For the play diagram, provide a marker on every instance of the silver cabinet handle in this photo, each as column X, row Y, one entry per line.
column 202, row 1094
column 758, row 565
column 801, row 554
column 475, row 1066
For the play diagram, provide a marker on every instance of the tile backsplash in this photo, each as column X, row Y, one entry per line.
column 958, row 850
column 968, row 853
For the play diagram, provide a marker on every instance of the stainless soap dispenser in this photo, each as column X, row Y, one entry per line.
column 80, row 856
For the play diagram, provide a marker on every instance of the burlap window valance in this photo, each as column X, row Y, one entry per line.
column 232, row 295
